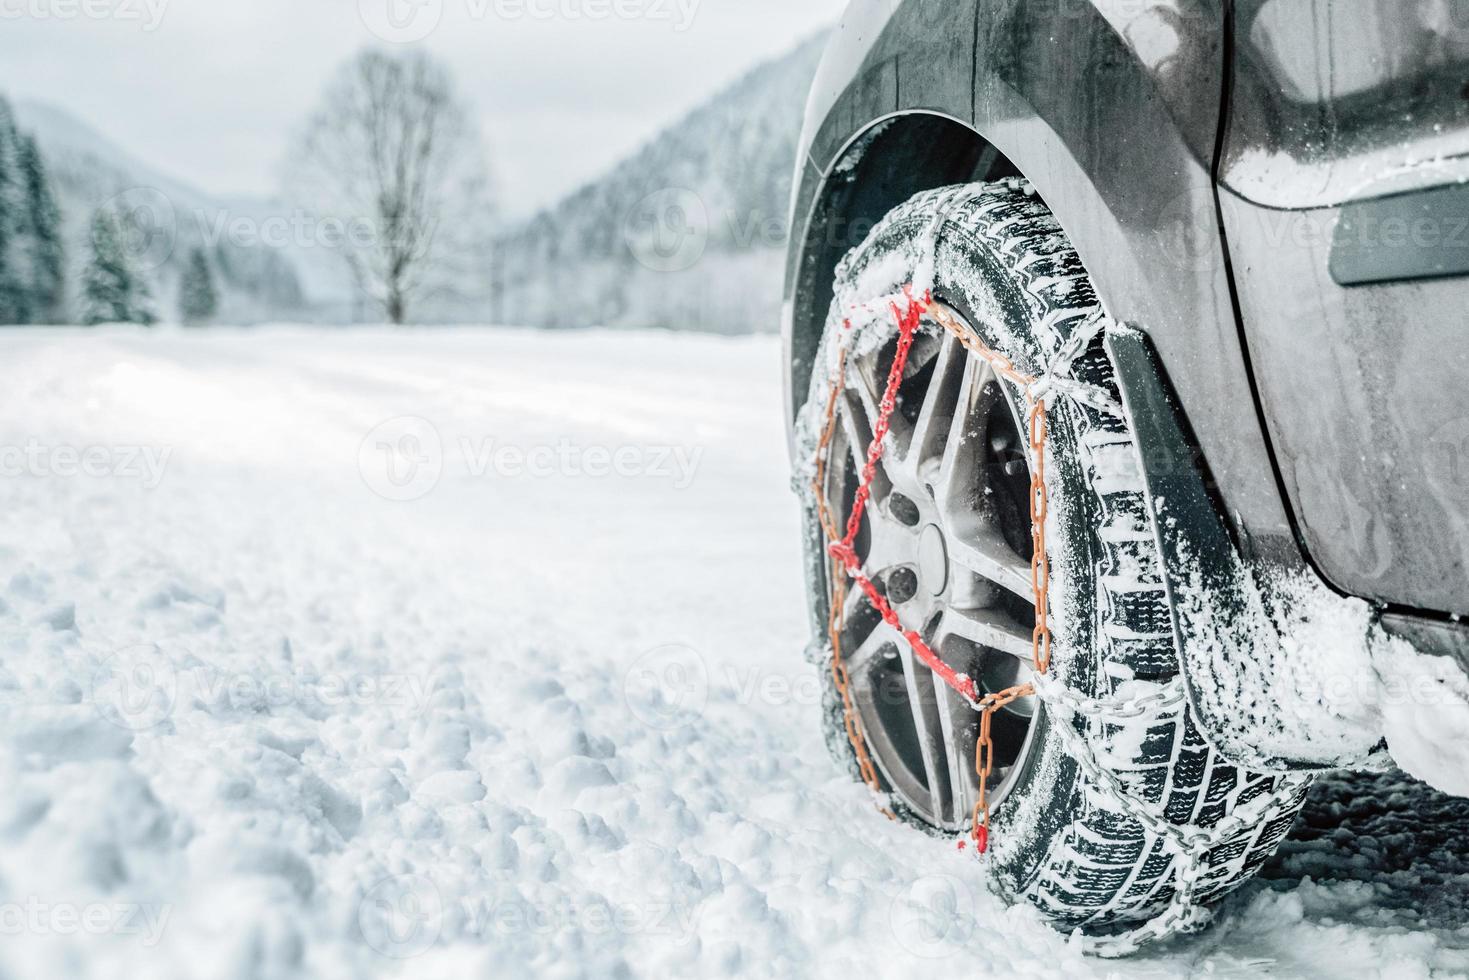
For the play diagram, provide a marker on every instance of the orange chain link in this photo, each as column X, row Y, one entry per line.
column 1040, row 572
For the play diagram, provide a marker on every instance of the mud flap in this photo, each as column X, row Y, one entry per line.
column 1226, row 640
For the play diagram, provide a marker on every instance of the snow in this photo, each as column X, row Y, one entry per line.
column 1276, row 179
column 1424, row 702
column 274, row 709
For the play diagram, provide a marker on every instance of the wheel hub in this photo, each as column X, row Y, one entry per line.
column 933, row 560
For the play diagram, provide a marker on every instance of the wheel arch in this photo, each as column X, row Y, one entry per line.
column 886, row 163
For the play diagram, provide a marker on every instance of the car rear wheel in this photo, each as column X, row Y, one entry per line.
column 1111, row 813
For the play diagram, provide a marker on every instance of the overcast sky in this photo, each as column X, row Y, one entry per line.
column 209, row 90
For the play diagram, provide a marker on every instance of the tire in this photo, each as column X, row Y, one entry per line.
column 1062, row 843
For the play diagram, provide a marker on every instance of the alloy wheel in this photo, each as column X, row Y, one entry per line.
column 946, row 539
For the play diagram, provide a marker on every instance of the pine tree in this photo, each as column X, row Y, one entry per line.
column 13, row 292
column 44, row 255
column 113, row 291
column 198, row 300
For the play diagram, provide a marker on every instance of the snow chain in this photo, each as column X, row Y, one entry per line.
column 1191, row 845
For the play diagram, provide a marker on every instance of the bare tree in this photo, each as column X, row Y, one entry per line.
column 393, row 168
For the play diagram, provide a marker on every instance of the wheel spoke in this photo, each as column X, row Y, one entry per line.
column 959, row 724
column 869, row 390
column 925, row 348
column 836, row 473
column 981, row 548
column 989, row 628
column 935, row 417
column 959, row 473
column 881, row 637
column 854, row 426
column 854, row 602
column 859, row 441
column 887, row 549
column 923, row 702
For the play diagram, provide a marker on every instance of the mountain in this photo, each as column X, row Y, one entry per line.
column 172, row 217
column 688, row 233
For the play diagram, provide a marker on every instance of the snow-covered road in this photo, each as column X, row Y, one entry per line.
column 477, row 653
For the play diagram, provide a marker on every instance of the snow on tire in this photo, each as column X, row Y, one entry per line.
column 1119, row 827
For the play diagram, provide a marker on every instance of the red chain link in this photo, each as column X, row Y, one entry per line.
column 845, row 552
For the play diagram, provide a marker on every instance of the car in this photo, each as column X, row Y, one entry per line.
column 1125, row 372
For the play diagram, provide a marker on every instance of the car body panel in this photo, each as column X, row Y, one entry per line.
column 1337, row 100
column 1111, row 110
column 1364, row 394
column 1362, row 386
